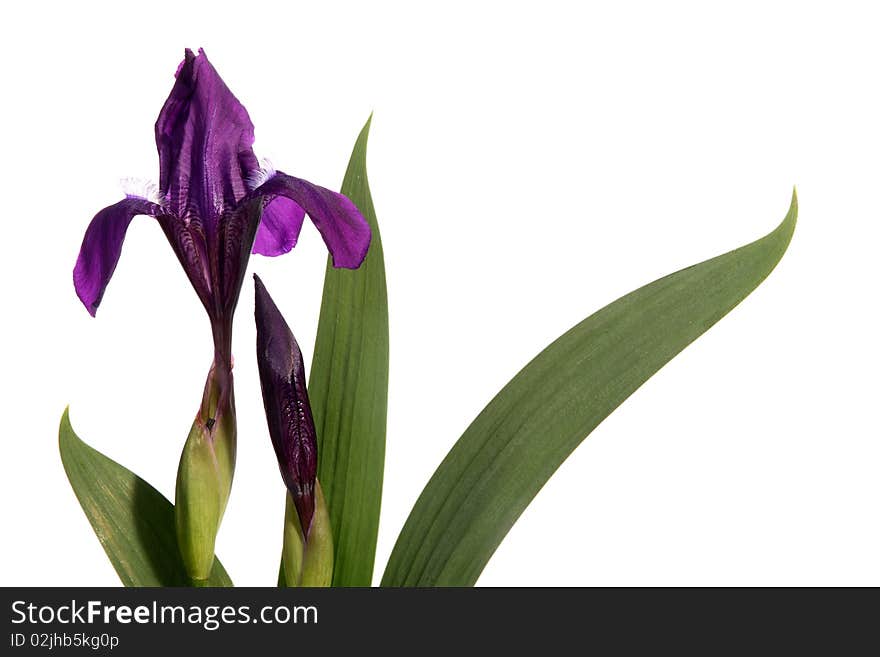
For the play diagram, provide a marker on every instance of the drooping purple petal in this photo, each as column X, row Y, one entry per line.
column 101, row 247
column 204, row 136
column 344, row 229
column 291, row 426
column 279, row 228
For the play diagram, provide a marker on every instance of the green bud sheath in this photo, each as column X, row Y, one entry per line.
column 309, row 561
column 204, row 477
column 293, row 546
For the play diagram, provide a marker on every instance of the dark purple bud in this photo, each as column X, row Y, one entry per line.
column 291, row 427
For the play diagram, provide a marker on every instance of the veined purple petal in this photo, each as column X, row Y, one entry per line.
column 279, row 228
column 101, row 247
column 204, row 136
column 236, row 238
column 291, row 426
column 215, row 262
column 189, row 242
column 344, row 229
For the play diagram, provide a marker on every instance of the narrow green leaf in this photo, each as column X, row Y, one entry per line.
column 519, row 440
column 133, row 521
column 348, row 389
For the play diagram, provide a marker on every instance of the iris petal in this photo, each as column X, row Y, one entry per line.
column 344, row 229
column 279, row 228
column 204, row 136
column 101, row 247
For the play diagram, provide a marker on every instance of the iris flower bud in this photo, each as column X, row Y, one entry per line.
column 307, row 557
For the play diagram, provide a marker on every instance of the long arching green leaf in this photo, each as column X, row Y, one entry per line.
column 519, row 440
column 348, row 389
column 133, row 521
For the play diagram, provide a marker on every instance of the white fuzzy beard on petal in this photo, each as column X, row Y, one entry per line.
column 142, row 188
column 258, row 177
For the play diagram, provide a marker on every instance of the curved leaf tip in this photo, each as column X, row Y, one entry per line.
column 132, row 520
column 790, row 221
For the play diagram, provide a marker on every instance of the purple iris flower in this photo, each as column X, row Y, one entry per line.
column 216, row 203
column 286, row 400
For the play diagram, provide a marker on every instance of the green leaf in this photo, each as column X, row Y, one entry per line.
column 348, row 389
column 519, row 440
column 133, row 521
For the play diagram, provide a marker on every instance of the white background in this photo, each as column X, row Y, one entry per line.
column 528, row 166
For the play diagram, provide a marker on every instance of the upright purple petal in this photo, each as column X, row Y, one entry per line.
column 101, row 247
column 291, row 427
column 279, row 228
column 204, row 136
column 344, row 229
